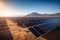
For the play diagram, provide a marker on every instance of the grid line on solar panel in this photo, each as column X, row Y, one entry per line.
column 43, row 28
column 28, row 24
column 31, row 26
column 34, row 32
column 39, row 30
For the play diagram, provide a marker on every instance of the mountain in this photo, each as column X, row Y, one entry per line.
column 55, row 14
column 33, row 14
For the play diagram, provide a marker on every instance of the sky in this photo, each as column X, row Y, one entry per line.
column 24, row 7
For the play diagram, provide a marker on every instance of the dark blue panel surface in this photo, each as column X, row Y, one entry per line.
column 28, row 24
column 39, row 30
column 34, row 32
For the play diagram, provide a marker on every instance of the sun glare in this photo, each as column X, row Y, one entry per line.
column 4, row 11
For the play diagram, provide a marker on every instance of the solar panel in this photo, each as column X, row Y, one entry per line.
column 28, row 24
column 39, row 29
column 34, row 32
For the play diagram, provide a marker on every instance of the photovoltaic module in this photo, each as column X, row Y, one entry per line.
column 41, row 26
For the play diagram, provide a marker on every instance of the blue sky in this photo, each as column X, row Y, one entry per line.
column 24, row 7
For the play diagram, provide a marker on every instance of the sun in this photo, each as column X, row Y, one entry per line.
column 7, row 10
column 4, row 11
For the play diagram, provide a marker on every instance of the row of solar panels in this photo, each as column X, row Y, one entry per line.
column 33, row 20
column 39, row 26
column 3, row 24
column 4, row 30
column 42, row 29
